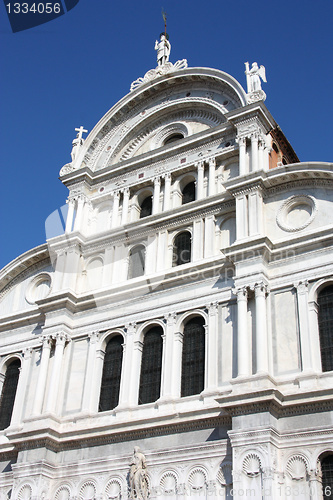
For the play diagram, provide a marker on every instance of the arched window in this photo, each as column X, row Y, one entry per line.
column 325, row 323
column 173, row 138
column 136, row 265
column 146, row 207
column 193, row 359
column 8, row 393
column 327, row 475
column 182, row 249
column 151, row 366
column 109, row 395
column 188, row 193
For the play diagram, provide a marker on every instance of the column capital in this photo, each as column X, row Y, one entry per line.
column 27, row 353
column 254, row 136
column 301, row 286
column 241, row 292
column 125, row 191
column 131, row 328
column 93, row 337
column 212, row 308
column 260, row 289
column 116, row 194
column 61, row 338
column 157, row 180
column 167, row 176
column 71, row 199
column 199, row 165
column 47, row 341
column 241, row 140
column 212, row 161
column 170, row 318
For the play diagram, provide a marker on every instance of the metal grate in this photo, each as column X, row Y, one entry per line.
column 188, row 193
column 327, row 476
column 146, row 207
column 109, row 395
column 325, row 322
column 182, row 249
column 151, row 366
column 8, row 393
column 136, row 262
column 193, row 359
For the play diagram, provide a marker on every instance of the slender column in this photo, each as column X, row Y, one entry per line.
column 197, row 240
column 21, row 388
column 243, row 354
column 42, row 375
column 91, row 383
column 254, row 152
column 167, row 191
column 115, row 208
column 59, row 270
column 261, row 155
column 260, row 290
column 255, row 212
column 52, row 395
column 124, row 214
column 2, row 379
column 161, row 250
column 124, row 381
column 156, row 196
column 126, row 372
column 242, row 155
column 98, row 373
column 133, row 365
column 79, row 213
column 168, row 340
column 70, row 215
column 209, row 244
column 315, row 485
column 212, row 350
column 211, row 176
column 268, row 483
column 241, row 216
column 176, row 373
column 200, row 185
column 315, row 343
column 304, row 331
column 151, row 253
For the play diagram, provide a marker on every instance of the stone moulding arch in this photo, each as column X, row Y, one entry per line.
column 294, row 467
column 318, row 286
column 318, row 455
column 305, row 457
column 147, row 325
column 7, row 360
column 104, row 339
column 186, row 316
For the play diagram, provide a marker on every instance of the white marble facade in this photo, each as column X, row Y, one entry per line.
column 260, row 228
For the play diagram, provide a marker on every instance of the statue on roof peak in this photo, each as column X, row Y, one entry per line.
column 163, row 48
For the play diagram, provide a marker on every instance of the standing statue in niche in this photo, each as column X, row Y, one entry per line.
column 163, row 48
column 77, row 142
column 138, row 481
column 253, row 75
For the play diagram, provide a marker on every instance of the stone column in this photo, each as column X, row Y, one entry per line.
column 254, row 152
column 21, row 388
column 255, row 208
column 167, row 191
column 133, row 365
column 303, row 321
column 243, row 354
column 79, row 213
column 161, row 250
column 261, row 164
column 268, row 483
column 315, row 343
column 315, row 485
column 115, row 209
column 91, row 382
column 212, row 349
column 156, row 196
column 52, row 396
column 123, row 389
column 124, row 215
column 242, row 155
column 70, row 215
column 209, row 244
column 42, row 375
column 260, row 290
column 98, row 373
column 71, row 267
column 197, row 240
column 241, row 216
column 200, row 185
column 176, row 373
column 211, row 176
column 167, row 368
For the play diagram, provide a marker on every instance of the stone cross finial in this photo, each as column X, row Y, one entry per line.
column 78, row 141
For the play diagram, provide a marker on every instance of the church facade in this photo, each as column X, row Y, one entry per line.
column 185, row 311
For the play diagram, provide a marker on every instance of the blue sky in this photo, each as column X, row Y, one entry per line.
column 70, row 71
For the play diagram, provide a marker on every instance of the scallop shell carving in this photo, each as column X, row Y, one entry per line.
column 197, row 479
column 87, row 491
column 224, row 475
column 113, row 489
column 25, row 493
column 251, row 465
column 296, row 468
column 168, row 482
column 62, row 493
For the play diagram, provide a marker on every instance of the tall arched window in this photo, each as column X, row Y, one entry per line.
column 188, row 193
column 151, row 366
column 193, row 359
column 325, row 323
column 136, row 265
column 146, row 207
column 327, row 475
column 8, row 393
column 182, row 249
column 109, row 395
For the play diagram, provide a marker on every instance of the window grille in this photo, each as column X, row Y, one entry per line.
column 325, row 322
column 136, row 262
column 193, row 359
column 109, row 395
column 182, row 249
column 146, row 207
column 151, row 366
column 188, row 193
column 327, row 476
column 8, row 393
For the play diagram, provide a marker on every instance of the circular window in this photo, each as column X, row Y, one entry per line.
column 296, row 213
column 39, row 288
column 169, row 134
